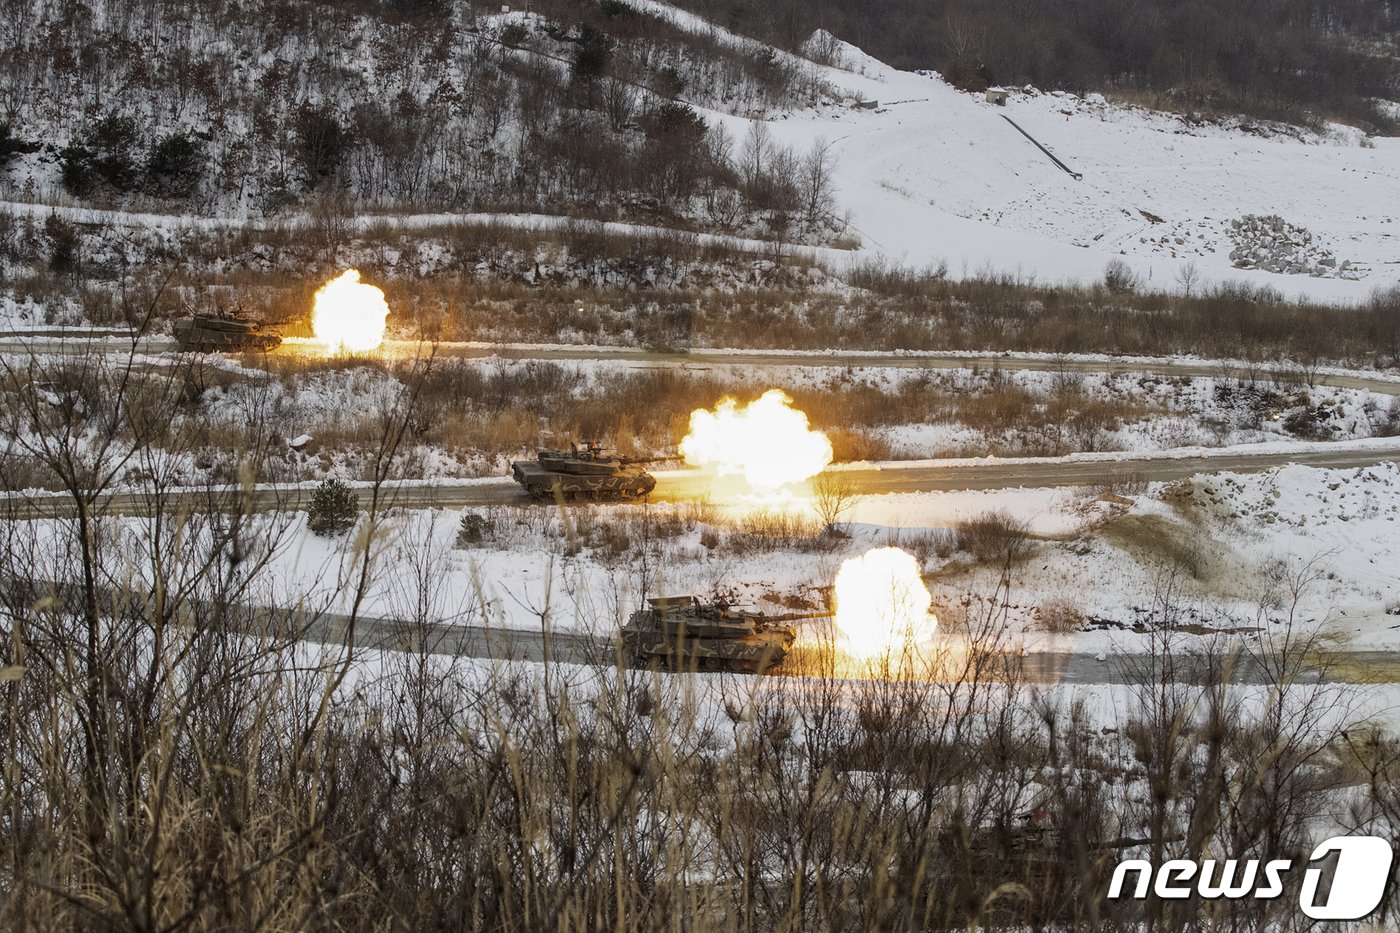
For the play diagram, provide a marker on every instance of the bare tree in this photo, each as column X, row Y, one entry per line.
column 963, row 39
column 332, row 220
column 784, row 180
column 1119, row 278
column 833, row 495
column 1188, row 276
column 619, row 103
column 817, row 194
column 754, row 153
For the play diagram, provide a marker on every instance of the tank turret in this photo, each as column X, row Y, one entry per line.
column 585, row 471
column 222, row 331
column 685, row 633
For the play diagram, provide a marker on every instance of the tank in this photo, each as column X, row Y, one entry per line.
column 685, row 633
column 585, row 472
column 1031, row 851
column 222, row 332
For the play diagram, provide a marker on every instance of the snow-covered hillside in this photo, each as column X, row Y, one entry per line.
column 937, row 175
column 925, row 175
column 577, row 109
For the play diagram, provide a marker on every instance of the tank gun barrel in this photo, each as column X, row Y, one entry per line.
column 799, row 616
column 636, row 461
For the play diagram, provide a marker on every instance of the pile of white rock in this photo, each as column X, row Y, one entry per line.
column 1272, row 244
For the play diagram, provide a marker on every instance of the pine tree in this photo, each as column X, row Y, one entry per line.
column 333, row 509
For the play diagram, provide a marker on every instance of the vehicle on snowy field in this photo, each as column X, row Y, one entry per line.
column 585, row 472
column 222, row 332
column 683, row 633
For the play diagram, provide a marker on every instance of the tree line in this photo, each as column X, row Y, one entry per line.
column 587, row 109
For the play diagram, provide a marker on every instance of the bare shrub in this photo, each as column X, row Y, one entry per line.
column 934, row 542
column 1118, row 278
column 1386, row 423
column 967, row 74
column 768, row 530
column 1123, row 483
column 1060, row 616
column 892, row 279
column 993, row 537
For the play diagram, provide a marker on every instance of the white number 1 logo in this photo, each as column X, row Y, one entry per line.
column 1363, row 868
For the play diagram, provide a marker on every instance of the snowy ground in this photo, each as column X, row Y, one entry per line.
column 934, row 174
column 1228, row 546
column 1221, row 543
column 20, row 313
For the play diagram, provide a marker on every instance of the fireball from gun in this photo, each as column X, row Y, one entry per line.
column 766, row 443
column 348, row 316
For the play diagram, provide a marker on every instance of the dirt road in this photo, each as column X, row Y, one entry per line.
column 1037, row 667
column 890, row 478
column 687, row 485
column 52, row 344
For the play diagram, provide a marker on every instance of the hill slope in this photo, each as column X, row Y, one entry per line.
column 644, row 112
column 935, row 174
column 270, row 107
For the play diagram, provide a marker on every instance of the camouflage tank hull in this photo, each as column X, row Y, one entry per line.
column 614, row 484
column 211, row 334
column 683, row 634
column 756, row 654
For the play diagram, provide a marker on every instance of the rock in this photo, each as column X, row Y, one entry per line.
column 1274, row 245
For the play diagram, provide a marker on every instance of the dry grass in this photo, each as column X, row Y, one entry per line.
column 652, row 535
column 1123, row 483
column 766, row 532
column 489, row 413
column 658, row 405
column 1156, row 540
column 178, row 759
column 471, row 418
column 494, row 291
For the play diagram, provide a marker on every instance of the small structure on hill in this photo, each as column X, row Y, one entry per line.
column 997, row 95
